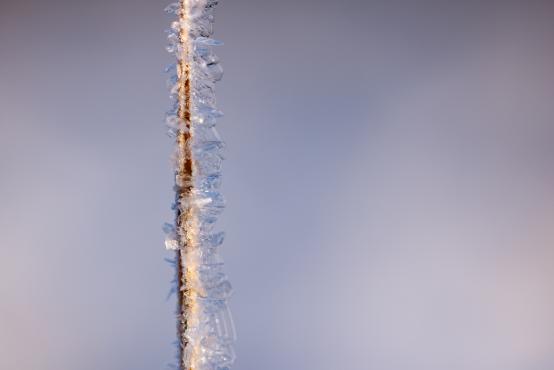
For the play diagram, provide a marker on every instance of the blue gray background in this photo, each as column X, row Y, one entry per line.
column 389, row 184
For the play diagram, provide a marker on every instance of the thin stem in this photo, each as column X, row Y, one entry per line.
column 185, row 218
column 204, row 326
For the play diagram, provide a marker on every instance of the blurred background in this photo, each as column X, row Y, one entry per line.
column 389, row 180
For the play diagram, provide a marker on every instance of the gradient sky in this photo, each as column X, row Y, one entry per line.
column 389, row 184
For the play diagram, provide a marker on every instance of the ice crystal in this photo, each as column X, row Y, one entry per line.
column 205, row 328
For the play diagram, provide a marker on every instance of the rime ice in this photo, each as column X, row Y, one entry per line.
column 205, row 327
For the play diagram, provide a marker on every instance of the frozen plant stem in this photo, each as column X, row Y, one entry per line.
column 204, row 326
column 184, row 219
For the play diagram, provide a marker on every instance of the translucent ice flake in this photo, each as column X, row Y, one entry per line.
column 175, row 122
column 209, row 3
column 210, row 256
column 168, row 228
column 208, row 163
column 173, row 37
column 211, row 275
column 208, row 111
column 210, row 145
column 218, row 318
column 214, row 240
column 207, row 139
column 216, row 356
column 222, row 290
column 171, row 261
column 205, row 115
column 171, row 244
column 172, row 290
column 171, row 69
column 201, row 20
column 211, row 200
column 211, row 282
column 173, row 48
column 212, row 69
column 207, row 41
column 208, row 67
column 173, row 8
column 202, row 200
column 171, row 81
column 176, row 26
column 203, row 255
column 210, row 183
column 174, row 91
column 173, row 107
column 216, row 325
column 203, row 94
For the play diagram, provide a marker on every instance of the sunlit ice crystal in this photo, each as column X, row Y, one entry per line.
column 214, row 330
column 171, row 69
column 208, row 164
column 211, row 282
column 172, row 81
column 205, row 255
column 201, row 14
column 175, row 122
column 172, row 8
column 209, row 67
column 208, row 63
column 210, row 182
column 217, row 319
column 171, row 242
column 214, row 240
column 204, row 94
column 205, row 115
column 207, row 139
column 207, row 41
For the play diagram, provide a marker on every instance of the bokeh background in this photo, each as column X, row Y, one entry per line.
column 389, row 182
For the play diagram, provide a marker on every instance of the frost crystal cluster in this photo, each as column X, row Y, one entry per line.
column 204, row 325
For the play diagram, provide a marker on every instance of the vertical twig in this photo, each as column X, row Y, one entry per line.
column 183, row 220
column 204, row 326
